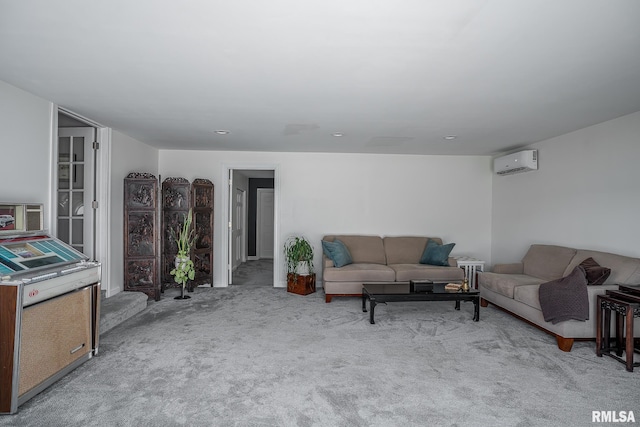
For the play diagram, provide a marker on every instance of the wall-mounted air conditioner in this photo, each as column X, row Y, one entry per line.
column 522, row 161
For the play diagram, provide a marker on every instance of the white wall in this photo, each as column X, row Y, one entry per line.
column 127, row 155
column 586, row 194
column 25, row 152
column 320, row 193
column 25, row 148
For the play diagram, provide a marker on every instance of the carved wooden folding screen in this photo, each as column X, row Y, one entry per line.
column 141, row 234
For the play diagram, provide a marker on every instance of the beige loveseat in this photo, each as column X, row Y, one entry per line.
column 514, row 287
column 378, row 259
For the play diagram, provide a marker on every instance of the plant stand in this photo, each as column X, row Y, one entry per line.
column 182, row 295
column 301, row 285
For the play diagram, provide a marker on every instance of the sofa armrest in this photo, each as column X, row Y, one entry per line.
column 514, row 268
column 453, row 262
column 326, row 262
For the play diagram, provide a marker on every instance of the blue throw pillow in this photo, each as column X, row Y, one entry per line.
column 435, row 254
column 337, row 252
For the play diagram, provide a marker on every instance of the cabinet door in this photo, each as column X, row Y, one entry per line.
column 55, row 333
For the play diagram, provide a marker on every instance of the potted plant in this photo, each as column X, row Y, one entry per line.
column 298, row 253
column 184, row 269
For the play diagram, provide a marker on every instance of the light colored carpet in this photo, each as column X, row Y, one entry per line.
column 259, row 356
column 258, row 272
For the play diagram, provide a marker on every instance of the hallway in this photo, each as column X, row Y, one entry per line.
column 254, row 273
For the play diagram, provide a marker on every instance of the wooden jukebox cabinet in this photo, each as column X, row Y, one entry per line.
column 49, row 314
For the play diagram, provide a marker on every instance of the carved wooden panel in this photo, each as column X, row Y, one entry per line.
column 176, row 201
column 202, row 191
column 141, row 234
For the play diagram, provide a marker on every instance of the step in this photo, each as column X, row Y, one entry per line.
column 120, row 307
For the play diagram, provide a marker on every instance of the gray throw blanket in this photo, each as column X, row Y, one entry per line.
column 565, row 298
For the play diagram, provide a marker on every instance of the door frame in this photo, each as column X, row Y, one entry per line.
column 227, row 193
column 102, row 215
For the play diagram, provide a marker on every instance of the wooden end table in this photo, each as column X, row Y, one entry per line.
column 625, row 302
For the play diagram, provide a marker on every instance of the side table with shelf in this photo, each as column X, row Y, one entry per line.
column 471, row 266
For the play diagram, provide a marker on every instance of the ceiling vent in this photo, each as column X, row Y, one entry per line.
column 522, row 161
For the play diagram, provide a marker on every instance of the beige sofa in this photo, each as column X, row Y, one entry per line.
column 378, row 259
column 514, row 287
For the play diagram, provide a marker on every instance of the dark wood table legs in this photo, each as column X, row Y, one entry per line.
column 626, row 305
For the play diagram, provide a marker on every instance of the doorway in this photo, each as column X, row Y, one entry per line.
column 80, row 187
column 252, row 223
column 76, row 184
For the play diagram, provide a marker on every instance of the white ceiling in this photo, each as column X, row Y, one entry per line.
column 394, row 76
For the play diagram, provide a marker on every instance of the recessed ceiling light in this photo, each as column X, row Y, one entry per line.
column 337, row 134
column 222, row 132
column 450, row 137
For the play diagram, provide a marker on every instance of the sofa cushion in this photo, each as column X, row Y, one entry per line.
column 511, row 268
column 596, row 274
column 565, row 298
column 547, row 262
column 406, row 249
column 436, row 254
column 624, row 270
column 406, row 272
column 504, row 284
column 368, row 249
column 338, row 252
column 359, row 272
column 527, row 294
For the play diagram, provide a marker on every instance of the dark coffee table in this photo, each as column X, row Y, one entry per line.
column 378, row 293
